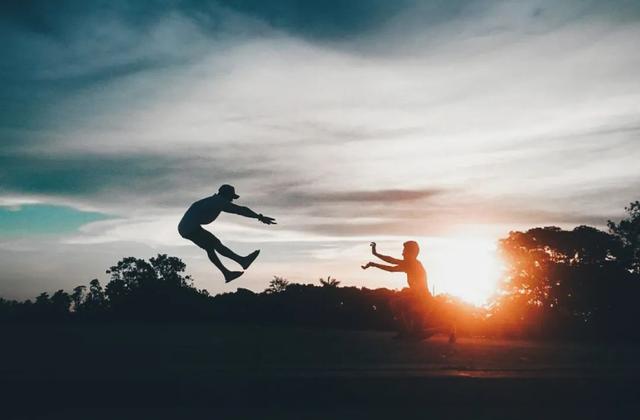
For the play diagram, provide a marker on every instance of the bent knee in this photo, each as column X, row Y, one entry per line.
column 190, row 233
column 183, row 232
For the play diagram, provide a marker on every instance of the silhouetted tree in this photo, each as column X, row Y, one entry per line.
column 127, row 276
column 564, row 281
column 329, row 282
column 628, row 230
column 42, row 306
column 130, row 273
column 43, row 299
column 95, row 299
column 277, row 285
column 9, row 309
column 60, row 303
column 169, row 269
column 77, row 297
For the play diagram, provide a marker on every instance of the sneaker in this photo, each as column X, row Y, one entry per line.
column 232, row 275
column 246, row 261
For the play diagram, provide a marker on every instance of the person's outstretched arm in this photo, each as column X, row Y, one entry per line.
column 247, row 212
column 390, row 268
column 384, row 258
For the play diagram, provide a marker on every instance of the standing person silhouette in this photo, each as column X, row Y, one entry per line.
column 413, row 301
column 205, row 211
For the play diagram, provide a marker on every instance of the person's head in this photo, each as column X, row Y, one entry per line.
column 227, row 192
column 410, row 250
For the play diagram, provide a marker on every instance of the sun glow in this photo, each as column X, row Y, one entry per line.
column 468, row 268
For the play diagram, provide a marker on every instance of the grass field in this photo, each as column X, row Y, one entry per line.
column 192, row 371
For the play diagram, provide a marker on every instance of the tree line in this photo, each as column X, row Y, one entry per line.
column 580, row 283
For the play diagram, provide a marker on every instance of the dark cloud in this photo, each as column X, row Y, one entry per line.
column 76, row 175
column 349, row 205
column 435, row 221
column 385, row 228
column 321, row 19
column 52, row 19
column 52, row 50
column 138, row 177
column 316, row 19
column 327, row 18
column 360, row 196
column 429, row 212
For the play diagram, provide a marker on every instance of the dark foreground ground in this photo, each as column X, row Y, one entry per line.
column 202, row 371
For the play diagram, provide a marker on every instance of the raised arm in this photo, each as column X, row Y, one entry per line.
column 247, row 212
column 384, row 258
column 390, row 268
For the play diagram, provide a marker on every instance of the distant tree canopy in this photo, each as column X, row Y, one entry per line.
column 138, row 289
column 628, row 231
column 569, row 283
column 158, row 290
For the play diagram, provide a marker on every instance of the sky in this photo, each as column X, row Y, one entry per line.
column 349, row 121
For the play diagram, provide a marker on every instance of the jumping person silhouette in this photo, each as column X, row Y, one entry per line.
column 205, row 211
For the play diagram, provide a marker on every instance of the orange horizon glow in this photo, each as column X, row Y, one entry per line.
column 468, row 268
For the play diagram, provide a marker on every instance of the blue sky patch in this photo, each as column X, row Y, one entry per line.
column 38, row 219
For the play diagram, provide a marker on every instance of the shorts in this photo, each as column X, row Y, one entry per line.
column 203, row 238
column 410, row 301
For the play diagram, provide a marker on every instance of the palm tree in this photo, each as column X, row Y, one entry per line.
column 329, row 282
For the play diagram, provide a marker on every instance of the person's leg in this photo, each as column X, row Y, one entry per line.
column 245, row 262
column 207, row 241
column 216, row 261
column 401, row 314
column 226, row 252
column 418, row 321
column 438, row 315
column 414, row 312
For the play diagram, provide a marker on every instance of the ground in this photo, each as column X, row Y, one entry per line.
column 238, row 371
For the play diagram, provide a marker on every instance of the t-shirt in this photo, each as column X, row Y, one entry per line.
column 203, row 212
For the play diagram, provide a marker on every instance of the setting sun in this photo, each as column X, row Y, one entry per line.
column 468, row 268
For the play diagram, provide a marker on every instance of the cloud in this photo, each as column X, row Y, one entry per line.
column 116, row 182
column 355, row 197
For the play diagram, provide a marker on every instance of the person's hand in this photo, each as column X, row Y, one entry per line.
column 267, row 220
column 367, row 265
column 373, row 247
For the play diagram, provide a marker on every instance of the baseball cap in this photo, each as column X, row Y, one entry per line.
column 228, row 191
